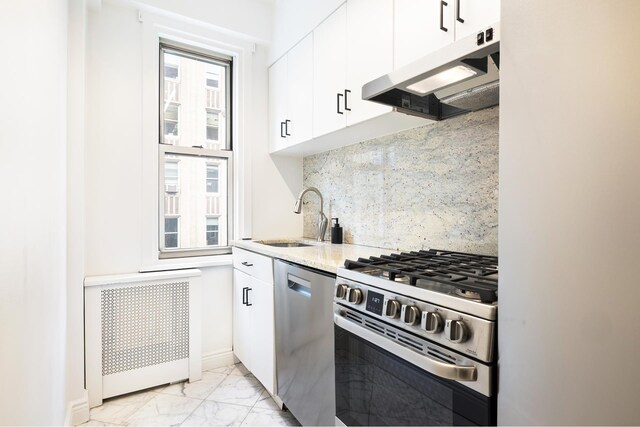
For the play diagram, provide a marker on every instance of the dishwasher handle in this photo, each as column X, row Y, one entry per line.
column 299, row 285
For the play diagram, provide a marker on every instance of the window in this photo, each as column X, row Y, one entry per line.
column 171, row 177
column 212, row 231
column 171, row 232
column 201, row 155
column 212, row 125
column 213, row 80
column 171, row 114
column 212, row 179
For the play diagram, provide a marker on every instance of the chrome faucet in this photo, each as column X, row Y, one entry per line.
column 322, row 218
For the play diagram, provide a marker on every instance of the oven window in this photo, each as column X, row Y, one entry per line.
column 374, row 387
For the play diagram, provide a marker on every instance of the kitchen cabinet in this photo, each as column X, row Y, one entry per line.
column 290, row 96
column 476, row 15
column 424, row 26
column 353, row 46
column 253, row 315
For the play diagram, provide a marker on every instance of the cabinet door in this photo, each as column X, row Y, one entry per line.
column 369, row 54
column 242, row 333
column 263, row 333
column 329, row 77
column 300, row 91
column 277, row 104
column 417, row 28
column 476, row 14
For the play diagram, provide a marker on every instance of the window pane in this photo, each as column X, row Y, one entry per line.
column 212, row 231
column 171, row 225
column 202, row 202
column 212, row 179
column 213, row 80
column 170, row 72
column 184, row 97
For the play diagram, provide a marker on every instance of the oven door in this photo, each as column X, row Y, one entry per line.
column 376, row 386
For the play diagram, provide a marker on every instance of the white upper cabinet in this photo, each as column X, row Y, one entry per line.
column 474, row 15
column 291, row 96
column 423, row 26
column 418, row 30
column 353, row 46
column 277, row 104
column 369, row 54
column 330, row 73
column 300, row 92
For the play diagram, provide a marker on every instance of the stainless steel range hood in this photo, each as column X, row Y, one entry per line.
column 456, row 79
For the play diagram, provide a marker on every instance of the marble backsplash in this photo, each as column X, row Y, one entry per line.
column 435, row 186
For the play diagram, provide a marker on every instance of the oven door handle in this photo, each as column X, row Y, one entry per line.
column 435, row 367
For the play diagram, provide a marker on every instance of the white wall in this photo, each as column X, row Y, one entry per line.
column 246, row 18
column 569, row 212
column 33, row 42
column 293, row 19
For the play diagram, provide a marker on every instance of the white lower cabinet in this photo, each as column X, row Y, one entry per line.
column 253, row 326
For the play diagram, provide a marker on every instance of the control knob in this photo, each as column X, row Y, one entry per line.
column 341, row 291
column 431, row 322
column 455, row 331
column 391, row 308
column 354, row 296
column 410, row 314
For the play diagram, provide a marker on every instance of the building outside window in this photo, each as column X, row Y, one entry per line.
column 201, row 154
column 212, row 231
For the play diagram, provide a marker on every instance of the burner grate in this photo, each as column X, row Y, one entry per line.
column 468, row 274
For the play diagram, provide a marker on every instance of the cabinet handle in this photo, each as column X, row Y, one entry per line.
column 282, row 135
column 286, row 127
column 442, row 5
column 247, row 264
column 244, row 296
column 458, row 12
column 248, row 305
column 338, row 103
column 346, row 99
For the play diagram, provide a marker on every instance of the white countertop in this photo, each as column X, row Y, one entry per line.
column 322, row 256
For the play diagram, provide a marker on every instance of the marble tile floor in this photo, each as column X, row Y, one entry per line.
column 226, row 396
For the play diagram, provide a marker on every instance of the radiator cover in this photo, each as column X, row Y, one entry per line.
column 141, row 330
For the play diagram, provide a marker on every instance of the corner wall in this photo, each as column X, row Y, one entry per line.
column 33, row 139
column 569, row 207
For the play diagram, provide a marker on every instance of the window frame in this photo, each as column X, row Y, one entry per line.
column 206, row 178
column 166, row 46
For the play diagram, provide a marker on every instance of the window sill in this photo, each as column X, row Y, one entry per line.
column 188, row 262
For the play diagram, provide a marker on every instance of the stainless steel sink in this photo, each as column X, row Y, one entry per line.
column 283, row 244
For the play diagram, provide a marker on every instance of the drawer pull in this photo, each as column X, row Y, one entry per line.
column 247, row 264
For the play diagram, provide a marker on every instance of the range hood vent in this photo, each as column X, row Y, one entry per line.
column 454, row 80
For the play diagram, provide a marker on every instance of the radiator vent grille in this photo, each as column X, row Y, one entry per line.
column 144, row 326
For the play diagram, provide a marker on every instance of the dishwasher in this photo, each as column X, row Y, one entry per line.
column 304, row 342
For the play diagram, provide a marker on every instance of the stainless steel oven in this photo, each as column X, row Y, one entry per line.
column 411, row 351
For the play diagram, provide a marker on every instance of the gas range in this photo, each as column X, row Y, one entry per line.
column 435, row 310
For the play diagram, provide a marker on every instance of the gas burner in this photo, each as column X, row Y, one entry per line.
column 468, row 294
column 401, row 278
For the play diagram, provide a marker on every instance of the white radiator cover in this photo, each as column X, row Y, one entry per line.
column 141, row 330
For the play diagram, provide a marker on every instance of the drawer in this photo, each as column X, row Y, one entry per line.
column 256, row 265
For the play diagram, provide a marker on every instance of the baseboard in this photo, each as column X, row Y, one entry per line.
column 217, row 359
column 77, row 411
